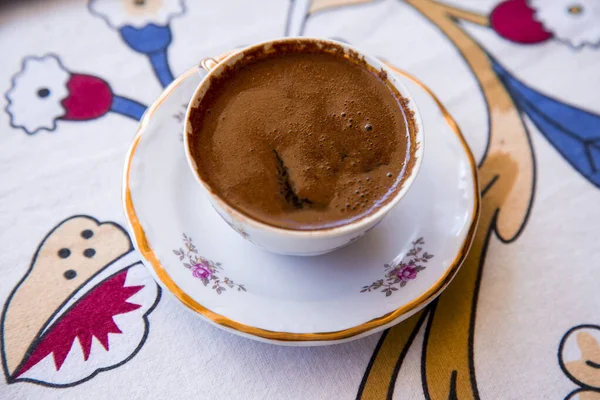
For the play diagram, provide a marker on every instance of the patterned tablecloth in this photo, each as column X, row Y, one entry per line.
column 520, row 321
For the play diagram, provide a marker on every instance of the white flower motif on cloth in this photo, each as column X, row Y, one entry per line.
column 575, row 22
column 34, row 99
column 44, row 91
column 136, row 13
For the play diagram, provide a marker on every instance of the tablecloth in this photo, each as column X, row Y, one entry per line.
column 520, row 320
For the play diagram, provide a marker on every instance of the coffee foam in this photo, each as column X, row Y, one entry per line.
column 302, row 137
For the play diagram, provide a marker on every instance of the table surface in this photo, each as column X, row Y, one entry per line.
column 520, row 321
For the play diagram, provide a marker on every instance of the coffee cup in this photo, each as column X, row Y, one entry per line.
column 304, row 242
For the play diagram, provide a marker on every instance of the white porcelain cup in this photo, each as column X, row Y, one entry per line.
column 303, row 242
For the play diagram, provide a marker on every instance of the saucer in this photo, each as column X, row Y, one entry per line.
column 376, row 282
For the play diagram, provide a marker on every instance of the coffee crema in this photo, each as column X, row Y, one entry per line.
column 302, row 136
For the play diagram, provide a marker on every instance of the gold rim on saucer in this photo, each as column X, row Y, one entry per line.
column 141, row 242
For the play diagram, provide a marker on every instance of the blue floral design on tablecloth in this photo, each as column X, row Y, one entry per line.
column 574, row 133
column 145, row 27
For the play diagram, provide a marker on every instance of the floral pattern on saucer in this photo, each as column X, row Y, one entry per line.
column 179, row 116
column 239, row 230
column 204, row 269
column 397, row 275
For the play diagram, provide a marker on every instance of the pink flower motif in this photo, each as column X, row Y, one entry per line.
column 406, row 272
column 515, row 20
column 202, row 270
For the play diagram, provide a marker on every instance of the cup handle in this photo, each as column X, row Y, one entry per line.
column 208, row 64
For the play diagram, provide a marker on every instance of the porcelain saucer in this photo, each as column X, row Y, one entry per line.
column 376, row 282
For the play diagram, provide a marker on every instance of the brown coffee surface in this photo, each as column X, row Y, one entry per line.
column 301, row 139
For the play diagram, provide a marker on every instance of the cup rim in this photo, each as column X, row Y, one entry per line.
column 353, row 226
